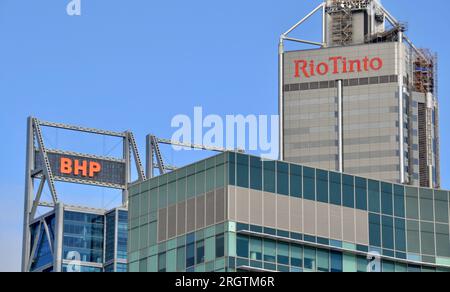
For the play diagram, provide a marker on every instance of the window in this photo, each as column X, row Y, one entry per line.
column 374, row 196
column 296, row 181
column 162, row 263
column 399, row 201
column 361, row 264
column 181, row 259
column 322, row 186
column 232, row 168
column 386, row 199
column 256, row 249
column 220, row 246
column 255, row 173
column 269, row 250
column 374, row 230
column 283, row 253
column 190, row 255
column 242, row 170
column 400, row 235
column 348, row 188
column 200, row 246
column 309, row 183
column 310, row 258
column 335, row 189
column 269, row 176
column 428, row 239
column 388, row 267
column 336, row 262
column 242, row 246
column 412, row 203
column 283, row 178
column 323, row 261
column 361, row 193
column 442, row 242
column 441, row 206
column 296, row 256
column 413, row 236
column 388, row 232
column 426, row 205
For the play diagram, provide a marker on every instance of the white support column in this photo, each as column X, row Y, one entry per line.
column 281, row 98
column 59, row 237
column 340, row 106
column 401, row 108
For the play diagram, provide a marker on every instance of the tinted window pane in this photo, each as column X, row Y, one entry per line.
column 412, row 203
column 413, row 236
column 269, row 250
column 256, row 249
column 441, row 206
column 232, row 169
column 323, row 261
column 310, row 259
column 200, row 246
column 283, row 253
column 374, row 196
column 387, row 199
column 309, row 183
column 269, row 176
column 399, row 201
column 296, row 256
column 190, row 255
column 296, row 181
column 426, row 205
column 348, row 191
column 361, row 193
column 322, row 186
column 442, row 240
column 388, row 232
column 336, row 262
column 282, row 178
column 375, row 230
column 335, row 189
column 220, row 246
column 255, row 173
column 400, row 235
column 427, row 237
column 242, row 246
column 242, row 170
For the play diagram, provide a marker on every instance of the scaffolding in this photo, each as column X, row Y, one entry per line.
column 424, row 72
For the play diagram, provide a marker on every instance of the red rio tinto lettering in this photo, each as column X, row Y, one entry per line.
column 336, row 65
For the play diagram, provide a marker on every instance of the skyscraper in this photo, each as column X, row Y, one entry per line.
column 340, row 102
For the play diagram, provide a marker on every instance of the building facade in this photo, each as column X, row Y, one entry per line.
column 91, row 241
column 365, row 102
column 235, row 212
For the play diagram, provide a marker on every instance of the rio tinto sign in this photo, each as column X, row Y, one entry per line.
column 336, row 65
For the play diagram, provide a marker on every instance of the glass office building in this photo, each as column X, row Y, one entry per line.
column 235, row 212
column 92, row 241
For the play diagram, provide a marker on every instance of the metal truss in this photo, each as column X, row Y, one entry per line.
column 36, row 148
column 156, row 160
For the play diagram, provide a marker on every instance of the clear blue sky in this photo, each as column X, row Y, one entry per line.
column 135, row 64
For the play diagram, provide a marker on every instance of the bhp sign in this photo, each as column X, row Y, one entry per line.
column 336, row 65
column 77, row 167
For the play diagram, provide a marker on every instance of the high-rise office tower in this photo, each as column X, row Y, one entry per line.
column 365, row 102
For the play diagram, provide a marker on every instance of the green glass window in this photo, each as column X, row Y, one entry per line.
column 181, row 261
column 350, row 265
column 154, row 200
column 200, row 251
column 296, row 256
column 442, row 240
column 441, row 206
column 220, row 245
column 427, row 238
column 162, row 263
column 400, row 234
column 388, row 232
column 283, row 178
column 310, row 259
column 388, row 266
column 200, row 183
column 374, row 230
column 220, row 176
column 412, row 203
column 361, row 193
column 242, row 171
column 348, row 191
column 335, row 189
column 323, row 261
column 361, row 264
column 401, row 268
column 172, row 193
column 399, row 201
column 426, row 205
column 269, row 176
column 336, row 261
column 190, row 186
column 413, row 236
column 210, row 179
column 190, row 255
column 322, row 186
column 309, row 183
column 374, row 196
column 242, row 246
column 269, row 250
column 256, row 173
column 162, row 198
column 387, row 199
column 283, row 253
column 256, row 249
column 232, row 168
column 296, row 181
column 181, row 189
